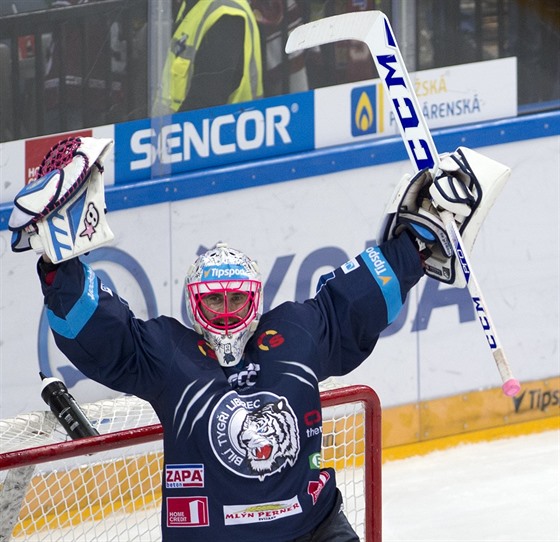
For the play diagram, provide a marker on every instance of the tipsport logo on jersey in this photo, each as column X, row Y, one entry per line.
column 255, row 435
column 213, row 137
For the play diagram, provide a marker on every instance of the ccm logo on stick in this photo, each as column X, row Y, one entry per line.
column 407, row 117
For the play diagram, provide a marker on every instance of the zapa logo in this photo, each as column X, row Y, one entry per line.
column 179, row 476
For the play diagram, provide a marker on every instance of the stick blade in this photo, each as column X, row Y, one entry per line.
column 346, row 26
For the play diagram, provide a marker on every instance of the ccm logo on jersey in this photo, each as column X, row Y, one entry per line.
column 177, row 476
column 350, row 265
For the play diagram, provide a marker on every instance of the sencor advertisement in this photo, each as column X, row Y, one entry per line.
column 213, row 137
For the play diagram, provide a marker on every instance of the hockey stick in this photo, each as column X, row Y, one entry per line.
column 373, row 28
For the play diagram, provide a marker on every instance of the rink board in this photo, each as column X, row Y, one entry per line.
column 470, row 417
column 304, row 215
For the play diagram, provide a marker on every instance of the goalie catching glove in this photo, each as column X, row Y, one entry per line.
column 62, row 212
column 466, row 186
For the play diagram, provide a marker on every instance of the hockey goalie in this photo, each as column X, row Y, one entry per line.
column 236, row 452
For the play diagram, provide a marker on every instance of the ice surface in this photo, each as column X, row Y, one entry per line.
column 491, row 491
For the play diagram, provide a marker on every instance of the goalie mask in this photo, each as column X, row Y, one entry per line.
column 224, row 300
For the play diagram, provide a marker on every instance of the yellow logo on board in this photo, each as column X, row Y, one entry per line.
column 363, row 115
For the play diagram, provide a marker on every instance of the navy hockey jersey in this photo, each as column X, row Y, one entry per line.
column 240, row 445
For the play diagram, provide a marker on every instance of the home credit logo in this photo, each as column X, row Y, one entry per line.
column 187, row 512
column 36, row 149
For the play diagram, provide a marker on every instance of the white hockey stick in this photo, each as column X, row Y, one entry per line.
column 373, row 28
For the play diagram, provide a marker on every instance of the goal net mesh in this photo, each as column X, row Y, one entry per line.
column 112, row 492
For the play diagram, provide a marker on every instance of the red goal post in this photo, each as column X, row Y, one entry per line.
column 107, row 487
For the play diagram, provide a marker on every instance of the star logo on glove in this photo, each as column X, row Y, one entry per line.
column 90, row 221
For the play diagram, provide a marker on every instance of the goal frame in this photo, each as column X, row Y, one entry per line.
column 128, row 437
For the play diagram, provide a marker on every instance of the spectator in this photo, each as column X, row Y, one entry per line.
column 214, row 57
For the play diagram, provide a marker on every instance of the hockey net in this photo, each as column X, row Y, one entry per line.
column 107, row 488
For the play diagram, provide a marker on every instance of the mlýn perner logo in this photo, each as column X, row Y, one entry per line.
column 260, row 512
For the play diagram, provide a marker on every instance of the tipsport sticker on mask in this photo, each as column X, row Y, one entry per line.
column 255, row 435
column 225, row 272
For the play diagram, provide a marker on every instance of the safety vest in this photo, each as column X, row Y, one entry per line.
column 186, row 41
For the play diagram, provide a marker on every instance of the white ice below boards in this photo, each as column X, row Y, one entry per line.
column 504, row 490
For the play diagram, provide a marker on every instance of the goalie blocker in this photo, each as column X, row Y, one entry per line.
column 465, row 185
column 62, row 213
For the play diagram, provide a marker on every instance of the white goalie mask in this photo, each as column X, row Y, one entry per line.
column 224, row 300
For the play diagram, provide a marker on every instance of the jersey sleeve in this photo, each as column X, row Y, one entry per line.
column 357, row 301
column 100, row 335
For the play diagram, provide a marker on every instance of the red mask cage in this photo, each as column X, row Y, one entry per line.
column 224, row 306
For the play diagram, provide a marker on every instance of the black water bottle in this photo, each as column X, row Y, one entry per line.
column 68, row 412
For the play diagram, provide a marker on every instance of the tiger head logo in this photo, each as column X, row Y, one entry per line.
column 270, row 437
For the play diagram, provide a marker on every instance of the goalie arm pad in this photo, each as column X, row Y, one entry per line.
column 466, row 185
